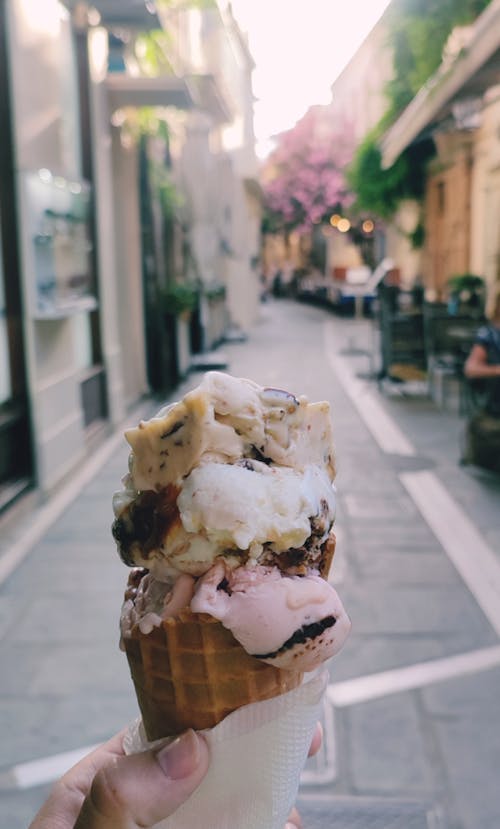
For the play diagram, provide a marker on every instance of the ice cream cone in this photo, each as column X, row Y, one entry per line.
column 225, row 512
column 191, row 672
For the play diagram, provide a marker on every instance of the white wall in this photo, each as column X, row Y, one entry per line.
column 130, row 305
column 398, row 245
column 358, row 93
column 46, row 133
column 45, row 129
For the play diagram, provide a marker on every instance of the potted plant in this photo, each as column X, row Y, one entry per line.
column 466, row 293
column 180, row 299
column 215, row 292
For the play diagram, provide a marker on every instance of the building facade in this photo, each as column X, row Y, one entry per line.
column 359, row 99
column 460, row 108
column 87, row 242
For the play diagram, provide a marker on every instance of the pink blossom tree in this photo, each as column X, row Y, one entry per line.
column 303, row 179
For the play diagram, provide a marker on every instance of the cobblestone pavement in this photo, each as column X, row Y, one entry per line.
column 411, row 715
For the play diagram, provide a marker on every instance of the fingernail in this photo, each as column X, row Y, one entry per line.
column 180, row 758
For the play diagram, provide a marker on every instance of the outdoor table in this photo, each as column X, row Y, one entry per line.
column 463, row 334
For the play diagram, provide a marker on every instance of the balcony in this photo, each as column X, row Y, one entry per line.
column 139, row 15
column 201, row 53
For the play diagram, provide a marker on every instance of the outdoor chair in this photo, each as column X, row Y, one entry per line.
column 448, row 340
column 402, row 343
column 481, row 438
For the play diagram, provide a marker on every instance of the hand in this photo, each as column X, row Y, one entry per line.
column 108, row 790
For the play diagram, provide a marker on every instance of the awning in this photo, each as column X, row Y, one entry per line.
column 476, row 69
column 126, row 91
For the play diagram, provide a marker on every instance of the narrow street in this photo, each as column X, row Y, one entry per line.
column 411, row 713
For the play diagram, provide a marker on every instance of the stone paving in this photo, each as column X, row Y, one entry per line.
column 65, row 684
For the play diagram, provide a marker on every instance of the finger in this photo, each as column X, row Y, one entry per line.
column 316, row 740
column 143, row 789
column 294, row 821
column 62, row 807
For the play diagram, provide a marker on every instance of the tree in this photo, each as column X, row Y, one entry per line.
column 304, row 180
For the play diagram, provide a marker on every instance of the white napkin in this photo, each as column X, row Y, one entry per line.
column 256, row 756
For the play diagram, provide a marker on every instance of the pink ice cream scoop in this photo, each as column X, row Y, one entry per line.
column 288, row 621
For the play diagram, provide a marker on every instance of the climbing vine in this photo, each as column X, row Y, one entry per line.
column 417, row 33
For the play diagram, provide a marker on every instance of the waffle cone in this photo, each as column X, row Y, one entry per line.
column 191, row 672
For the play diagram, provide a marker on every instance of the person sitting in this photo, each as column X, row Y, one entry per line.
column 482, row 373
column 483, row 362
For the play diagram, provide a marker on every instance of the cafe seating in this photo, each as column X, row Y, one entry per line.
column 448, row 341
column 402, row 346
column 481, row 407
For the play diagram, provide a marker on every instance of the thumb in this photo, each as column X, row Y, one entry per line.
column 143, row 789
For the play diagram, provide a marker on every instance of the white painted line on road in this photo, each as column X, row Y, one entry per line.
column 339, row 695
column 46, row 769
column 463, row 543
column 386, row 432
column 465, row 546
column 374, row 686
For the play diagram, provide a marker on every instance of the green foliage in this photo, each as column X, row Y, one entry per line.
column 418, row 31
column 417, row 236
column 180, row 297
column 465, row 282
column 380, row 191
column 137, row 123
column 152, row 50
column 377, row 191
column 271, row 222
column 467, row 292
column 215, row 292
column 170, row 198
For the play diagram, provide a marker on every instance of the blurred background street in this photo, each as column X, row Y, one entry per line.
column 412, row 705
column 309, row 196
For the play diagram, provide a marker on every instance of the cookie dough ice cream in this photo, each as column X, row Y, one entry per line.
column 227, row 510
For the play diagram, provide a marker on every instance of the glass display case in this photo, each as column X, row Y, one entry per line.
column 58, row 214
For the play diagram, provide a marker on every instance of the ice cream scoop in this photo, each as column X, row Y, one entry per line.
column 292, row 622
column 223, row 419
column 232, row 470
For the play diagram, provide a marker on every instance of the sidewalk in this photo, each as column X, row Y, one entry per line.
column 413, row 700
